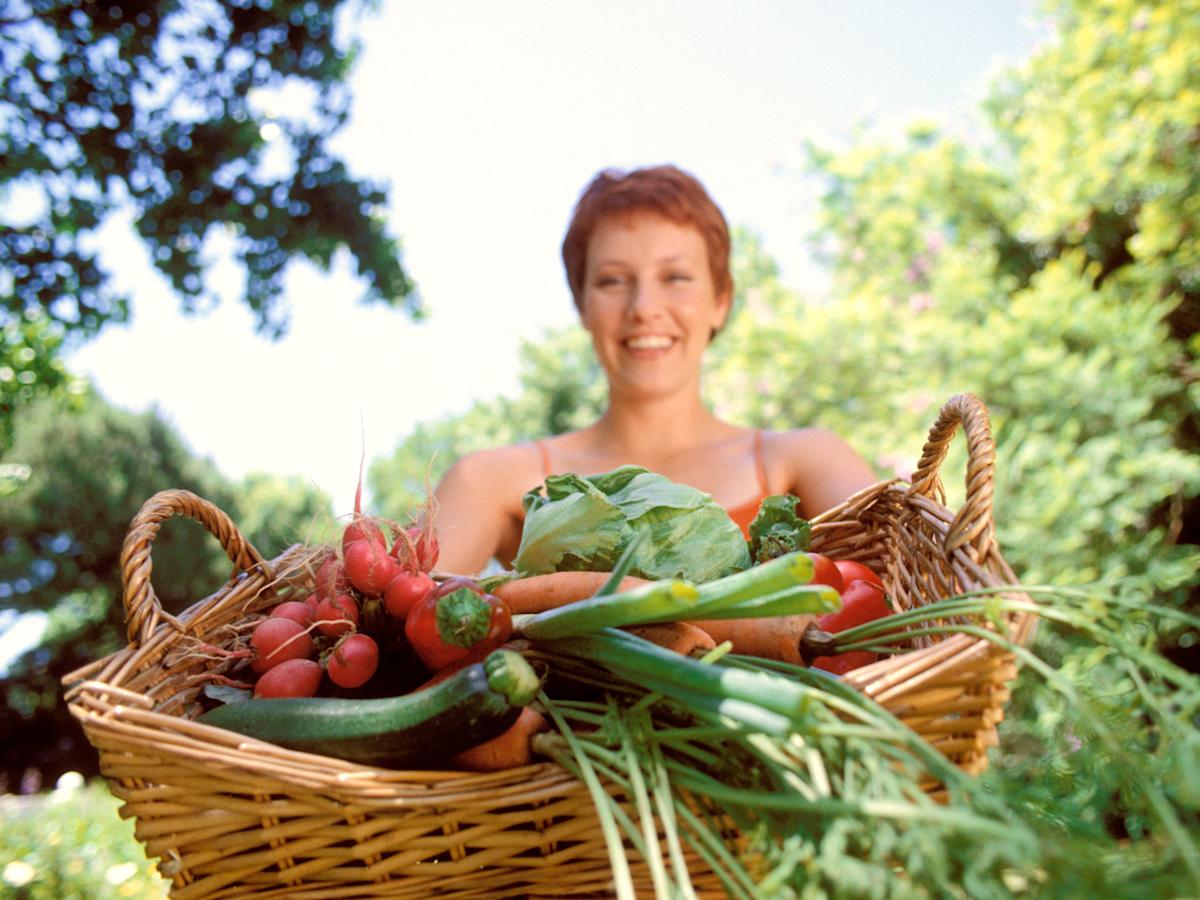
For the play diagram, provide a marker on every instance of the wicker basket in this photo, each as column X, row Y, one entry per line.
column 230, row 816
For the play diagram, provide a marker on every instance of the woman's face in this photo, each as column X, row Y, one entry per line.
column 650, row 303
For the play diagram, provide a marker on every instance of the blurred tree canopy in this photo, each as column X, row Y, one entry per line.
column 71, row 482
column 187, row 116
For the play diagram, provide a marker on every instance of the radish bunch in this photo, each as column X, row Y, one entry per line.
column 362, row 592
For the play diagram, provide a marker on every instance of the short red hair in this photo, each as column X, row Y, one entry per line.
column 664, row 190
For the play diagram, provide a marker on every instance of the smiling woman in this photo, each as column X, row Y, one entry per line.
column 647, row 260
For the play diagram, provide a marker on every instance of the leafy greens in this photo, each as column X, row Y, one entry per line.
column 584, row 523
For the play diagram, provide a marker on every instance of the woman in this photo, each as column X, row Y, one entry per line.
column 647, row 260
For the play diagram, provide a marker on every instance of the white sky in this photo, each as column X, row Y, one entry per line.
column 487, row 119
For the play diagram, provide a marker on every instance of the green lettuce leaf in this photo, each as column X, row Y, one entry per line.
column 777, row 529
column 583, row 523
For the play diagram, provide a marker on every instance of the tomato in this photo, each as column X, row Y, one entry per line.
column 825, row 571
column 442, row 628
column 852, row 571
column 844, row 662
column 862, row 602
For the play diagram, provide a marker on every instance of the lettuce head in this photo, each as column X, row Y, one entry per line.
column 584, row 523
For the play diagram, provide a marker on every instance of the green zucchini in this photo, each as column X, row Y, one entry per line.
column 473, row 705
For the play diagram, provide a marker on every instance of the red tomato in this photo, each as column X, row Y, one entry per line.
column 825, row 571
column 862, row 602
column 855, row 571
column 844, row 662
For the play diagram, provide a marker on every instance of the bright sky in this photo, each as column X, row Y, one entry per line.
column 487, row 119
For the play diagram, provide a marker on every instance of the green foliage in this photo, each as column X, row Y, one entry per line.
column 72, row 843
column 75, row 479
column 274, row 512
column 157, row 109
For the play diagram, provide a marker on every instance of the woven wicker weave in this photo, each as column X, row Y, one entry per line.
column 230, row 816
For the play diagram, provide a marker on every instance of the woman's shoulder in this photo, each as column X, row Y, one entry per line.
column 816, row 464
column 498, row 468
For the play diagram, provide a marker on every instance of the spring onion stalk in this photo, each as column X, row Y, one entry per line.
column 786, row 579
column 635, row 658
column 802, row 599
column 622, row 878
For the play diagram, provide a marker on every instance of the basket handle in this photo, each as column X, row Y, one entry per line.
column 973, row 524
column 143, row 611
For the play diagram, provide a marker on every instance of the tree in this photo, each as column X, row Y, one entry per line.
column 72, row 481
column 165, row 109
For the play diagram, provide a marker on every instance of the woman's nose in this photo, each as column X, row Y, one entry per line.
column 645, row 298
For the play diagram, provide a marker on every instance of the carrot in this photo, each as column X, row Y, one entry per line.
column 769, row 637
column 538, row 593
column 682, row 637
column 507, row 750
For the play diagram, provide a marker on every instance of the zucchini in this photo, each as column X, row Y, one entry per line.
column 475, row 704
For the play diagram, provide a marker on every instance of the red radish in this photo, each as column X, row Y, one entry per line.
column 296, row 611
column 276, row 639
column 331, row 579
column 353, row 661
column 369, row 567
column 363, row 528
column 291, row 678
column 425, row 545
column 404, row 591
column 337, row 615
column 312, row 601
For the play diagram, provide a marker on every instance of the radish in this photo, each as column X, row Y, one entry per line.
column 296, row 611
column 404, row 591
column 291, row 678
column 276, row 639
column 331, row 579
column 369, row 567
column 363, row 528
column 337, row 615
column 353, row 661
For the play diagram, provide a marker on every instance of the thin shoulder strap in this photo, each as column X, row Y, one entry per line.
column 544, row 452
column 759, row 463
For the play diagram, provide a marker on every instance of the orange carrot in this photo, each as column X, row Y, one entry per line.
column 682, row 637
column 538, row 593
column 769, row 637
column 507, row 750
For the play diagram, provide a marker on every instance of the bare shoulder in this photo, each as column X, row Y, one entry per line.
column 512, row 462
column 479, row 504
column 817, row 465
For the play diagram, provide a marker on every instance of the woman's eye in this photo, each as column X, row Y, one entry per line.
column 679, row 276
column 608, row 281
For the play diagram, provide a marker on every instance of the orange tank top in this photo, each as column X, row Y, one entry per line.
column 742, row 514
